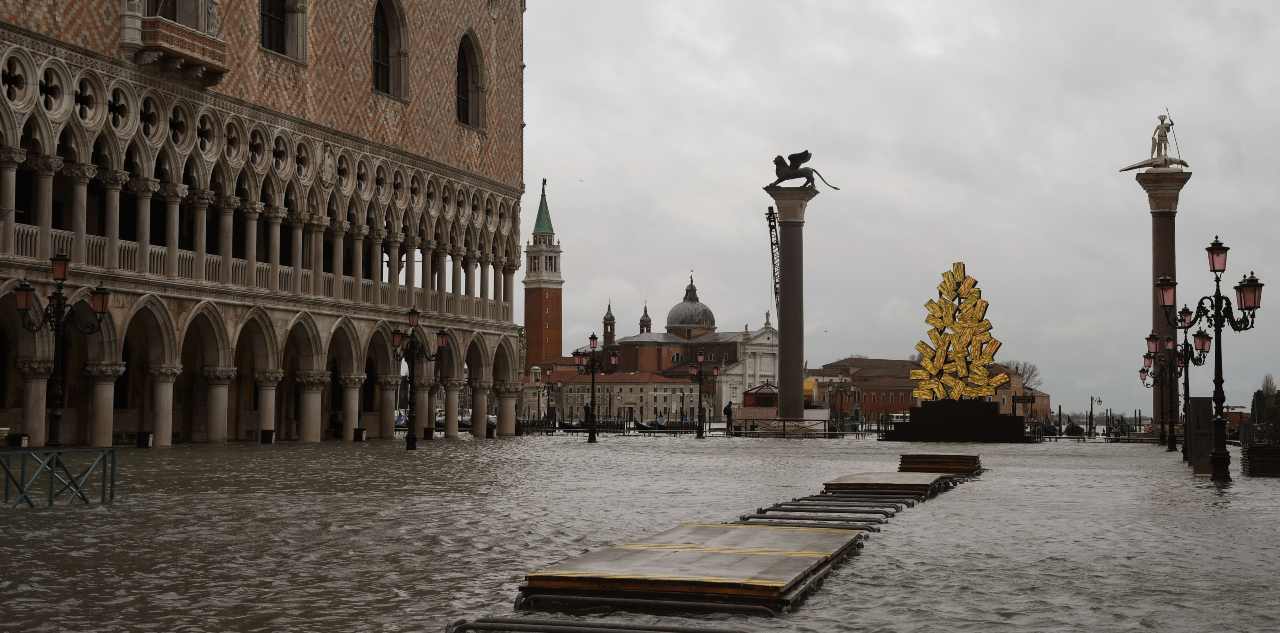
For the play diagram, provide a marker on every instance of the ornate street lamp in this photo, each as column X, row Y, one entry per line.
column 1218, row 310
column 406, row 347
column 593, row 362
column 697, row 375
column 57, row 315
column 1163, row 369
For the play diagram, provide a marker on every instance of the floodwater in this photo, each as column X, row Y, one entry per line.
column 1055, row 537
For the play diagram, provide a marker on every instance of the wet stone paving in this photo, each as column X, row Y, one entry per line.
column 369, row 537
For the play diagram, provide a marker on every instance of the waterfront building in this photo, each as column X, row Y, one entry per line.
column 266, row 189
column 883, row 387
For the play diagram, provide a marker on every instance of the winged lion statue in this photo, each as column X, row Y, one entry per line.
column 791, row 168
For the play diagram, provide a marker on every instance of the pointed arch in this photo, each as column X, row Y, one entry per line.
column 303, row 332
column 378, row 349
column 390, row 48
column 504, row 362
column 216, row 342
column 151, row 307
column 258, row 334
column 344, row 341
column 469, row 84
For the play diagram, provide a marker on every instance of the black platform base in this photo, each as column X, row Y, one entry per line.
column 959, row 421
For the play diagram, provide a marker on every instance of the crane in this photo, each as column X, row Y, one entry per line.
column 771, row 217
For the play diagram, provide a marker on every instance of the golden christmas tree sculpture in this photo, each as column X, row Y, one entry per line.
column 957, row 364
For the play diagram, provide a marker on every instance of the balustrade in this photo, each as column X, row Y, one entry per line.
column 262, row 275
column 128, row 255
column 238, row 271
column 366, row 291
column 155, row 259
column 95, row 250
column 326, row 284
column 62, row 241
column 286, row 279
column 24, row 240
column 186, row 264
column 348, row 288
column 213, row 268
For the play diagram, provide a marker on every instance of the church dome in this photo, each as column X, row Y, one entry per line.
column 691, row 313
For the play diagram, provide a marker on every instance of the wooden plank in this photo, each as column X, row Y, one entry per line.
column 753, row 563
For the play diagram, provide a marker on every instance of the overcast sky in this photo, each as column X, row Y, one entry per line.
column 987, row 132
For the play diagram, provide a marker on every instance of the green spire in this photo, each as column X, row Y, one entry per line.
column 543, row 223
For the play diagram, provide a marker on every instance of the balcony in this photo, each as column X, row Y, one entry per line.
column 176, row 49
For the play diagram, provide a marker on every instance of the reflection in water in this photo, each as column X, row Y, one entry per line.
column 371, row 537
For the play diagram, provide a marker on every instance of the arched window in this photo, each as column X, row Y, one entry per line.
column 274, row 18
column 388, row 46
column 468, row 87
column 381, row 50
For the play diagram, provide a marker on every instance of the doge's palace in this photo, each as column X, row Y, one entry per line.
column 268, row 189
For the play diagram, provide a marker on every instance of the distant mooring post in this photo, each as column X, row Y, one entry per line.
column 791, row 203
column 1163, row 177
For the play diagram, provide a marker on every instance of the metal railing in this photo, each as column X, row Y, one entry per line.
column 46, row 476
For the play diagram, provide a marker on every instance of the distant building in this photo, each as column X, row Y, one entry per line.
column 627, row 395
column 884, row 387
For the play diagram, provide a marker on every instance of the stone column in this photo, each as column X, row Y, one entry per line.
column 507, row 394
column 274, row 216
column 411, row 269
column 312, row 382
column 451, row 389
column 80, row 174
column 456, row 288
column 199, row 207
column 10, row 157
column 508, row 282
column 387, row 406
column 339, row 235
column 35, row 376
column 318, row 225
column 104, row 377
column 1163, row 186
column 393, row 267
column 428, row 267
column 298, row 224
column 350, row 405
column 173, row 195
column 498, row 265
column 45, row 167
column 162, row 402
column 791, row 203
column 143, row 189
column 485, row 264
column 218, row 378
column 267, row 380
column 251, row 212
column 226, row 233
column 442, row 273
column 357, row 261
column 424, row 419
column 113, row 181
column 469, row 263
column 375, row 263
column 479, row 408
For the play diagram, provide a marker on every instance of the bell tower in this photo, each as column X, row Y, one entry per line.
column 542, row 290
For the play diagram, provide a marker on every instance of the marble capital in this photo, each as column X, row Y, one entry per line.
column 252, row 210
column 45, row 165
column 164, row 373
column 82, row 172
column 454, row 385
column 12, row 156
column 114, row 179
column 313, row 380
column 144, row 186
column 268, row 378
column 219, row 375
column 229, row 204
column 351, row 381
column 104, row 372
column 203, row 197
column 174, row 192
column 32, row 368
column 389, row 382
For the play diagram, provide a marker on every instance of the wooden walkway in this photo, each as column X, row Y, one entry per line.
column 765, row 562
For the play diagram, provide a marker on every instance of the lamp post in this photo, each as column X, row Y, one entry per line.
column 593, row 362
column 406, row 347
column 1092, row 400
column 1189, row 354
column 697, row 375
column 1219, row 311
column 57, row 316
column 1164, row 373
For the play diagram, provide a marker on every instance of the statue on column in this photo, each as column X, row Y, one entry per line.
column 1160, row 157
column 790, row 169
